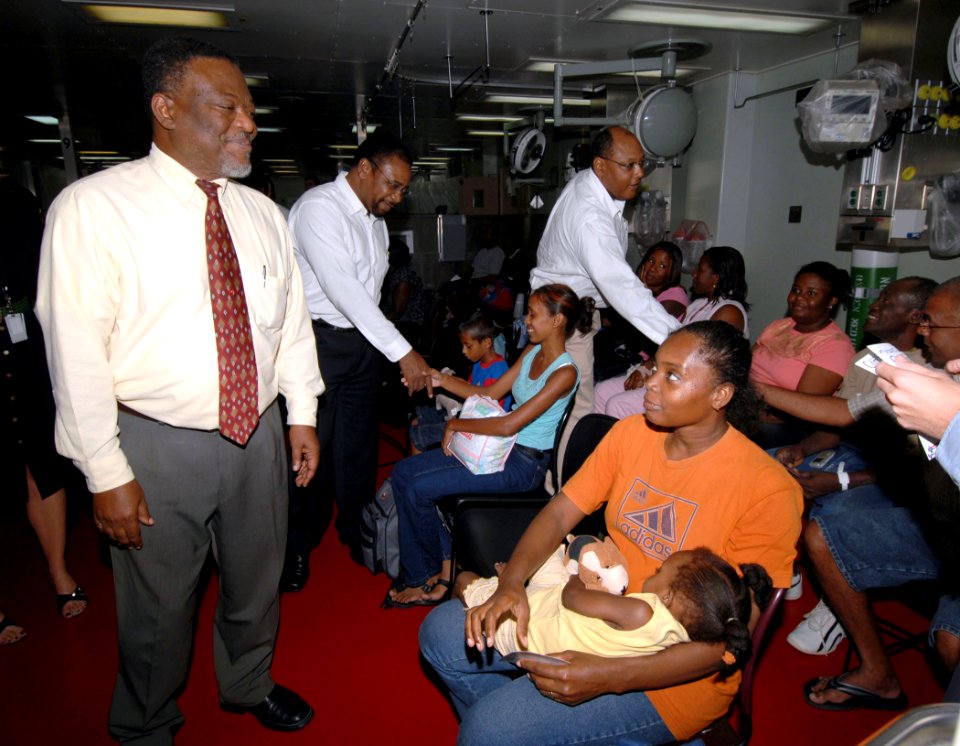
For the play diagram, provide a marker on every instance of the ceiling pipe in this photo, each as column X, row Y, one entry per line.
column 586, row 69
column 481, row 73
column 390, row 69
column 795, row 87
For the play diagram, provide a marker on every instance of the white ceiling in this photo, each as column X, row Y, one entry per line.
column 325, row 57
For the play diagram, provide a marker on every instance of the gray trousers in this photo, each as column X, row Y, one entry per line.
column 204, row 493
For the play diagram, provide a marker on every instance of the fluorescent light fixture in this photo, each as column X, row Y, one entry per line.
column 45, row 142
column 42, row 119
column 342, row 147
column 97, row 152
column 256, row 80
column 539, row 65
column 265, row 110
column 682, row 72
column 270, row 129
column 278, row 160
column 487, row 118
column 487, row 133
column 371, row 128
column 340, row 156
column 95, row 158
column 144, row 15
column 716, row 18
column 509, row 98
column 437, row 158
column 429, row 164
column 453, row 149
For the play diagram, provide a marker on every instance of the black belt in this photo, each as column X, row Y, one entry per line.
column 321, row 324
column 533, row 452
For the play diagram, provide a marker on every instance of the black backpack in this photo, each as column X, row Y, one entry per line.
column 379, row 534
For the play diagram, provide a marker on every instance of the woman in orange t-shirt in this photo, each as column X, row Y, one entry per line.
column 677, row 478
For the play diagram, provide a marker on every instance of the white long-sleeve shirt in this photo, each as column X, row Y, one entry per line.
column 342, row 253
column 585, row 246
column 124, row 301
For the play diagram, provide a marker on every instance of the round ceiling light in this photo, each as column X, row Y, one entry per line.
column 664, row 121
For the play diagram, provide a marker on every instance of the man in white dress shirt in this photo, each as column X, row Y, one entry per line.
column 134, row 345
column 340, row 239
column 585, row 245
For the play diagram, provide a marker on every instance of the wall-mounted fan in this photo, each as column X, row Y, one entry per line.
column 527, row 150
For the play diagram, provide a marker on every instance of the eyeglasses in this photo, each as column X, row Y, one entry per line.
column 925, row 322
column 635, row 166
column 395, row 186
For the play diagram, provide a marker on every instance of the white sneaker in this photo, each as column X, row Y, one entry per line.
column 796, row 587
column 819, row 633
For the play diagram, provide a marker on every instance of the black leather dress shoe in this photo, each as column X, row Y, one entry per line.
column 281, row 710
column 296, row 572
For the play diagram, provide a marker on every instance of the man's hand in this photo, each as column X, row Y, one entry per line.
column 790, row 455
column 119, row 513
column 481, row 624
column 586, row 677
column 923, row 399
column 416, row 372
column 304, row 453
column 816, row 483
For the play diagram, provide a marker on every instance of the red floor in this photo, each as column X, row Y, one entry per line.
column 357, row 664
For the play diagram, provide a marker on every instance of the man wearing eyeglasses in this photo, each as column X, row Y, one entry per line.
column 585, row 245
column 340, row 241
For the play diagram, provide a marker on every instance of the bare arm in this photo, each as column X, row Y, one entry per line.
column 674, row 308
column 731, row 314
column 496, row 390
column 560, row 383
column 817, row 380
column 589, row 676
column 824, row 410
column 620, row 612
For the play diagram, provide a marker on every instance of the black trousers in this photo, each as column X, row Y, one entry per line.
column 348, row 432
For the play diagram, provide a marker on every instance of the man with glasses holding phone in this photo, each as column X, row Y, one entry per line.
column 340, row 241
column 585, row 245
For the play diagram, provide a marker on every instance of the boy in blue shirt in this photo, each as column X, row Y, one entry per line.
column 476, row 337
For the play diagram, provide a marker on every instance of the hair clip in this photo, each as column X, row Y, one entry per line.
column 728, row 658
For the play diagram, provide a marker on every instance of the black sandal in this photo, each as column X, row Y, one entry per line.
column 391, row 603
column 64, row 598
column 8, row 622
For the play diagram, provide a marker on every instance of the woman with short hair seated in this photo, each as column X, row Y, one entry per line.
column 805, row 350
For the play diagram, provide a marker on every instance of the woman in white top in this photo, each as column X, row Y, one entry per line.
column 720, row 290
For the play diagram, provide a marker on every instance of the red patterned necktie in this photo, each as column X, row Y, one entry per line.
column 239, row 409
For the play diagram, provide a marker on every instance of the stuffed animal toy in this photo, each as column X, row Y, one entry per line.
column 600, row 564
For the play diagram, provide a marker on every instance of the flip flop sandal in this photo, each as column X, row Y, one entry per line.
column 391, row 603
column 859, row 698
column 431, row 587
column 64, row 598
column 8, row 622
